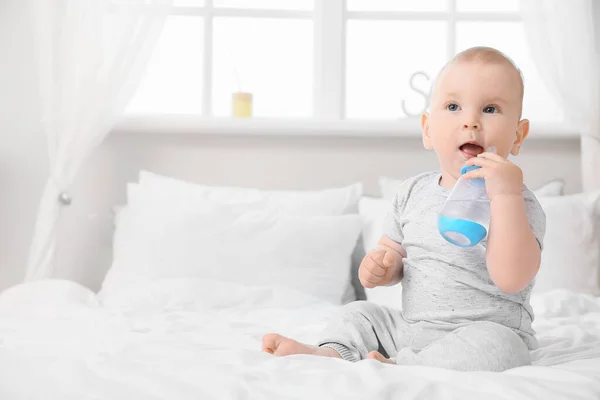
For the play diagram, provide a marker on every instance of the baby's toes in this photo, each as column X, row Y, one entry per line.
column 375, row 355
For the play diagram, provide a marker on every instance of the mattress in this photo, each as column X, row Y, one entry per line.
column 199, row 339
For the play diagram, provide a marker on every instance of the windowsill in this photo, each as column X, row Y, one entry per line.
column 196, row 125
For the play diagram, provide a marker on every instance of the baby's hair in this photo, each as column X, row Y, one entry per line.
column 486, row 55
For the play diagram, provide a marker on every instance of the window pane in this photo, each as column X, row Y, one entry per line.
column 487, row 6
column 397, row 5
column 173, row 80
column 267, row 4
column 509, row 37
column 270, row 58
column 381, row 58
column 188, row 3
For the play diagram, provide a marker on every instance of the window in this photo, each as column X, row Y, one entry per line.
column 325, row 59
column 269, row 57
column 211, row 49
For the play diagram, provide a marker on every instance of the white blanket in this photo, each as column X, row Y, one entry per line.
column 193, row 339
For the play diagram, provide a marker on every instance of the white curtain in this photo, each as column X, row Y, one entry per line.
column 90, row 55
column 564, row 40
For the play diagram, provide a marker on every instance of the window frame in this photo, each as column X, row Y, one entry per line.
column 330, row 19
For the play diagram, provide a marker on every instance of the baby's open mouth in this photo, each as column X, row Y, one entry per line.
column 470, row 150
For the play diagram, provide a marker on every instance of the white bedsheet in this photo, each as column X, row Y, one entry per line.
column 197, row 339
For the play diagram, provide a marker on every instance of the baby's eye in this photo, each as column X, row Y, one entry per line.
column 453, row 107
column 490, row 110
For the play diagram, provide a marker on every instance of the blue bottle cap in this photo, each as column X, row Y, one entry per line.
column 468, row 168
column 477, row 182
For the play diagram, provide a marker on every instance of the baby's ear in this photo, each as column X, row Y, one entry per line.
column 522, row 132
column 427, row 142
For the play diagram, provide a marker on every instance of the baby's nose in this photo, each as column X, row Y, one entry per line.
column 471, row 125
column 470, row 120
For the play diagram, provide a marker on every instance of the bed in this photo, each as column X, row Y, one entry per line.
column 200, row 339
column 198, row 274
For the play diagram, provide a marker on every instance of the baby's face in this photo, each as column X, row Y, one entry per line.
column 474, row 106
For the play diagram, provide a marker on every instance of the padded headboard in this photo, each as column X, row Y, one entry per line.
column 268, row 162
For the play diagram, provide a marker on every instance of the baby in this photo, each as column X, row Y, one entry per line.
column 462, row 308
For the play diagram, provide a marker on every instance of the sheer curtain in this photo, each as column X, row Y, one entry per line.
column 564, row 40
column 90, row 58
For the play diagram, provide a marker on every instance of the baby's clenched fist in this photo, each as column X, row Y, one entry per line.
column 381, row 267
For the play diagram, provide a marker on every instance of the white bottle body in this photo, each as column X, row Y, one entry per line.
column 465, row 217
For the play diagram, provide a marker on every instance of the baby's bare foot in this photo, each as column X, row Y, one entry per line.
column 282, row 346
column 375, row 355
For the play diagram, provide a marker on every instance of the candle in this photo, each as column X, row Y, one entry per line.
column 241, row 105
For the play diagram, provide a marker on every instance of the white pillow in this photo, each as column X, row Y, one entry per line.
column 172, row 192
column 373, row 211
column 554, row 187
column 389, row 186
column 335, row 201
column 307, row 253
column 571, row 255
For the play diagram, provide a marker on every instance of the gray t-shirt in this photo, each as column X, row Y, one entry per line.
column 446, row 283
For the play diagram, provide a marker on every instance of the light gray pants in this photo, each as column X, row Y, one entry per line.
column 475, row 346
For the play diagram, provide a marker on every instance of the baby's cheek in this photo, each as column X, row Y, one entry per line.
column 504, row 149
